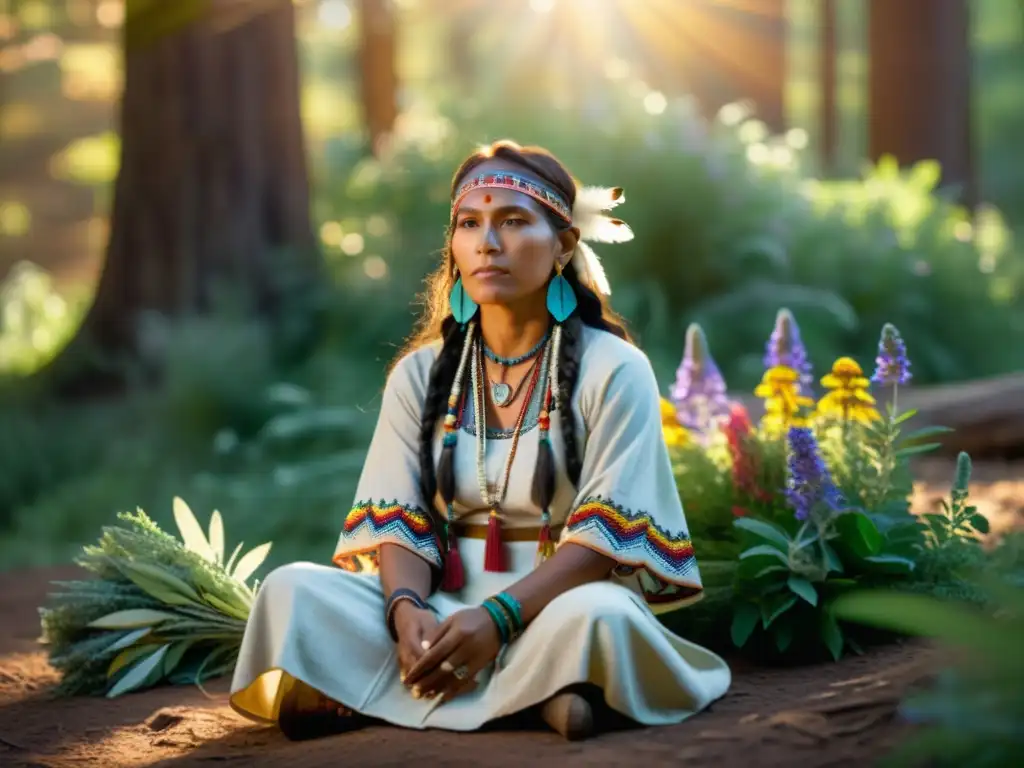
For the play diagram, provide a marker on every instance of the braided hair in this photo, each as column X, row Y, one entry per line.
column 437, row 321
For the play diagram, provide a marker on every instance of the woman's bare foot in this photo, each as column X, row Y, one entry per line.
column 307, row 714
column 570, row 715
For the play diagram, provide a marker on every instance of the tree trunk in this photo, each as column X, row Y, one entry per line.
column 737, row 51
column 212, row 190
column 377, row 69
column 919, row 103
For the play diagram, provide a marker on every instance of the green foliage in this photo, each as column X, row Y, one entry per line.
column 749, row 232
column 817, row 513
column 972, row 713
column 158, row 610
column 790, row 571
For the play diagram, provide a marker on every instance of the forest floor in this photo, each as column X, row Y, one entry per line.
column 842, row 714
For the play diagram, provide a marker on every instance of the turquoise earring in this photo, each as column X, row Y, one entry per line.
column 561, row 296
column 463, row 307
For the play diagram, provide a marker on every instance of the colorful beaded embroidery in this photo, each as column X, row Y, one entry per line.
column 538, row 191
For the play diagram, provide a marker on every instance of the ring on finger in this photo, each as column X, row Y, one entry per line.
column 461, row 672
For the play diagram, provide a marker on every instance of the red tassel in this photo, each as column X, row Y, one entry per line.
column 494, row 549
column 453, row 578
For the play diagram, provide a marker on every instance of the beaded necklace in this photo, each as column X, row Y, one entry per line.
column 494, row 553
column 501, row 393
column 544, row 375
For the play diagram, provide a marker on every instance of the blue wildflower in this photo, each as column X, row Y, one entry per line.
column 809, row 481
column 891, row 365
column 699, row 392
column 785, row 347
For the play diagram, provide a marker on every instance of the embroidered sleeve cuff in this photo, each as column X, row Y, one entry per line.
column 663, row 561
column 370, row 524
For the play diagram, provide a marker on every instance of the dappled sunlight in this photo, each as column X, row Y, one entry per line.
column 15, row 219
column 89, row 160
column 328, row 110
column 90, row 71
column 35, row 320
column 19, row 121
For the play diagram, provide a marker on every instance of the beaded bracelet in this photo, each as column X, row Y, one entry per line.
column 507, row 614
column 515, row 610
column 499, row 618
column 396, row 597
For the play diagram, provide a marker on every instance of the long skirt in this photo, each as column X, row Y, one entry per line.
column 325, row 626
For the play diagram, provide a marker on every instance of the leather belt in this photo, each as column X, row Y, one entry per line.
column 528, row 533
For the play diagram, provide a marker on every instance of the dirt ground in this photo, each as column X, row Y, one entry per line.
column 841, row 714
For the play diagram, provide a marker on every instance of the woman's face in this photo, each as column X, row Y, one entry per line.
column 503, row 244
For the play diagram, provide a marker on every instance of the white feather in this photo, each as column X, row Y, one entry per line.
column 589, row 269
column 591, row 200
column 594, row 225
column 603, row 229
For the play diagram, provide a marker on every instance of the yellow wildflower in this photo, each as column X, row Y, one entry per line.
column 780, row 390
column 675, row 434
column 668, row 413
column 848, row 398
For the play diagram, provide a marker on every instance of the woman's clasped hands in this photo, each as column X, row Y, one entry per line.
column 449, row 655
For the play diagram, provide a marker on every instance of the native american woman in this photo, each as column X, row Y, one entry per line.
column 516, row 526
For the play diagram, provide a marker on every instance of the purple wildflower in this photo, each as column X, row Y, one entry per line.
column 699, row 393
column 809, row 483
column 891, row 365
column 785, row 347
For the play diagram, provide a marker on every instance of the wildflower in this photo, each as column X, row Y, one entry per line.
column 738, row 432
column 809, row 484
column 675, row 434
column 891, row 365
column 785, row 347
column 668, row 413
column 848, row 397
column 699, row 392
column 780, row 390
column 962, row 477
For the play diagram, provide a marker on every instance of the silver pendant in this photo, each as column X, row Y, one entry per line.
column 501, row 393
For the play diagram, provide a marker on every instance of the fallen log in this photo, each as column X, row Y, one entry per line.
column 986, row 414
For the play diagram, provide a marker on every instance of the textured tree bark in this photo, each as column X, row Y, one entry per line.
column 919, row 86
column 212, row 191
column 377, row 69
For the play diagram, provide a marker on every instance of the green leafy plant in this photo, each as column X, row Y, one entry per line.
column 786, row 576
column 959, row 519
column 158, row 610
column 815, row 500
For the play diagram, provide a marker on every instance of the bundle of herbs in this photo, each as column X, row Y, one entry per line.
column 156, row 610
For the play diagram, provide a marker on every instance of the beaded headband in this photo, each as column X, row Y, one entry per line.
column 506, row 180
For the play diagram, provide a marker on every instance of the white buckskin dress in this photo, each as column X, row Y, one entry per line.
column 324, row 625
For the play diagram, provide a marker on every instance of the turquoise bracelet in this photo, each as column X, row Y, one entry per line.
column 515, row 611
column 500, row 619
